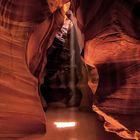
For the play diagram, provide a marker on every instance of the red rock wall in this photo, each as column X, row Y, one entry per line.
column 21, row 112
column 40, row 40
column 112, row 44
column 27, row 29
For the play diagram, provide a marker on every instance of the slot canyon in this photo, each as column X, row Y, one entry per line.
column 69, row 69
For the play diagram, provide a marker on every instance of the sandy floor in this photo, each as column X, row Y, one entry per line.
column 88, row 127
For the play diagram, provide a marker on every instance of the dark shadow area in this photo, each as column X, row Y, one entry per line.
column 62, row 77
column 111, row 77
column 136, row 20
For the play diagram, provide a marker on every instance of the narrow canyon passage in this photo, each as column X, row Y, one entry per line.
column 69, row 63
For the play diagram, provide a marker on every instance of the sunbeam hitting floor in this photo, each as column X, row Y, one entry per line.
column 75, row 125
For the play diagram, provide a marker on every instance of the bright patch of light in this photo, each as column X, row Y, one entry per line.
column 65, row 124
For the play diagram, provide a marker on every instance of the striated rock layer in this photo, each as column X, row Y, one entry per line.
column 21, row 112
column 112, row 44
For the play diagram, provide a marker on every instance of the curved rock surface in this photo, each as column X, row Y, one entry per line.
column 112, row 44
column 21, row 112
